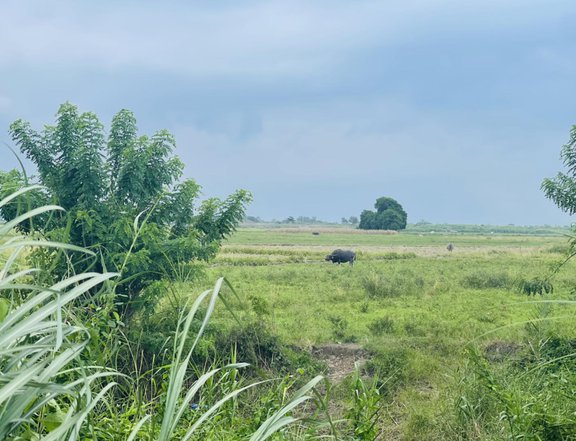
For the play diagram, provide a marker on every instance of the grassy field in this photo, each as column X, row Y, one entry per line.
column 338, row 237
column 414, row 306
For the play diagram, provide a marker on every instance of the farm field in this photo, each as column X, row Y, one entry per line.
column 410, row 311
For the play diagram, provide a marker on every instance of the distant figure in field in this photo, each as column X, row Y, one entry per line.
column 341, row 256
column 450, row 247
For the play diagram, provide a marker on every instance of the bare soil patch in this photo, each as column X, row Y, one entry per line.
column 498, row 351
column 341, row 359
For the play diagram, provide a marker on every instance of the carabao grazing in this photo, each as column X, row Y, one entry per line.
column 341, row 256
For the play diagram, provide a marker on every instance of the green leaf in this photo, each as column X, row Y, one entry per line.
column 4, row 308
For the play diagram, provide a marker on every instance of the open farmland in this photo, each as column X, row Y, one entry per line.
column 415, row 307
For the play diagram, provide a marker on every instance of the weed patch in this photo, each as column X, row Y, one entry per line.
column 487, row 280
column 401, row 283
column 340, row 331
column 381, row 326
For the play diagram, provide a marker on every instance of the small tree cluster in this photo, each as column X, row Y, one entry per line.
column 353, row 220
column 122, row 198
column 389, row 215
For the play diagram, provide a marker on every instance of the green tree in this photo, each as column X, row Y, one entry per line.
column 123, row 199
column 368, row 220
column 562, row 189
column 389, row 215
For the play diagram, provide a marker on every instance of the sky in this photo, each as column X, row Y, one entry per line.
column 457, row 109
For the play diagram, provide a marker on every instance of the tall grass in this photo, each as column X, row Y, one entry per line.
column 406, row 282
column 529, row 392
column 43, row 387
column 50, row 387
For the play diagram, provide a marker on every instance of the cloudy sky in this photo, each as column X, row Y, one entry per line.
column 457, row 109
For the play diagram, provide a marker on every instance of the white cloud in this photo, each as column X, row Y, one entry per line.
column 420, row 116
column 282, row 37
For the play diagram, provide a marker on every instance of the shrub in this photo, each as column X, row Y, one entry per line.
column 51, row 387
column 122, row 200
column 254, row 343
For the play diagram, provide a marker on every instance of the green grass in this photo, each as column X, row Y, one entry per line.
column 69, row 370
column 339, row 237
column 455, row 350
column 415, row 305
column 431, row 291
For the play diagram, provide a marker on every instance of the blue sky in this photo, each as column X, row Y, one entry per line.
column 458, row 109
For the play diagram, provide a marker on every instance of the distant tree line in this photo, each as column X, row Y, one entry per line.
column 352, row 220
column 301, row 220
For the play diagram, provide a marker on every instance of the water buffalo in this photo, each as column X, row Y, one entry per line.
column 341, row 256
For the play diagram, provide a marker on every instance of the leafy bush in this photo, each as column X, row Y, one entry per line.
column 52, row 388
column 122, row 200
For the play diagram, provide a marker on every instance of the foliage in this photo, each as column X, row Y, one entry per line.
column 389, row 215
column 256, row 345
column 392, row 364
column 44, row 387
column 536, row 286
column 562, row 189
column 518, row 401
column 52, row 388
column 432, row 312
column 367, row 405
column 177, row 404
column 122, row 197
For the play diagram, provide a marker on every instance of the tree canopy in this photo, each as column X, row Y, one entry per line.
column 389, row 215
column 123, row 198
column 562, row 188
